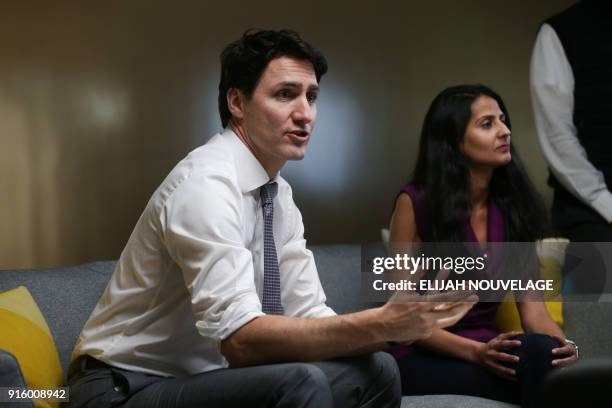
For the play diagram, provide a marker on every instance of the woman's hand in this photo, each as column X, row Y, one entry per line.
column 491, row 355
column 566, row 354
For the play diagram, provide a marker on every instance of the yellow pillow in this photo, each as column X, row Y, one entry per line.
column 551, row 252
column 26, row 335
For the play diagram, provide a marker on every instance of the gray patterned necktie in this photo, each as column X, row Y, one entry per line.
column 271, row 300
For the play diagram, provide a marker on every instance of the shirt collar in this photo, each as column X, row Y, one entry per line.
column 251, row 174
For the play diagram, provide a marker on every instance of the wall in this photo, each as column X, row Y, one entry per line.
column 98, row 101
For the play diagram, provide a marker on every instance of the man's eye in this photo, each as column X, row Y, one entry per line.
column 486, row 125
column 312, row 97
column 284, row 94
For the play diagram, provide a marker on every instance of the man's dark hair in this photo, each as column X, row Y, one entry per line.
column 244, row 61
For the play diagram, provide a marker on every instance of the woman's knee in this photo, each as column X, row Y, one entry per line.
column 537, row 344
column 535, row 352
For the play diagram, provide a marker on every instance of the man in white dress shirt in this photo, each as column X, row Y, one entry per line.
column 215, row 300
column 571, row 87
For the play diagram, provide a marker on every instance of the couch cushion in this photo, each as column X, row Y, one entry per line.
column 339, row 269
column 26, row 335
column 11, row 377
column 452, row 401
column 588, row 324
column 65, row 296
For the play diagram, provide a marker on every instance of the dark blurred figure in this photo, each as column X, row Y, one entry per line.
column 571, row 86
column 583, row 384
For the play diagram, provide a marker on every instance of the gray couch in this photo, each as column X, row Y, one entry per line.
column 66, row 296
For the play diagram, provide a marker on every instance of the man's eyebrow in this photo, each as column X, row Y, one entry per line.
column 289, row 84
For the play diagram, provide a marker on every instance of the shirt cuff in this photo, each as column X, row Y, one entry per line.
column 320, row 311
column 234, row 317
column 603, row 205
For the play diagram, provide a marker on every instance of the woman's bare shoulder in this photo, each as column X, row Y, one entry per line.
column 403, row 221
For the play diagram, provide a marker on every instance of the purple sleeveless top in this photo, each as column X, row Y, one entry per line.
column 479, row 323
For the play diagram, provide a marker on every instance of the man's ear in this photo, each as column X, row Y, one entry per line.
column 235, row 102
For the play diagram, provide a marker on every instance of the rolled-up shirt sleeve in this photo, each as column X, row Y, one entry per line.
column 302, row 295
column 203, row 221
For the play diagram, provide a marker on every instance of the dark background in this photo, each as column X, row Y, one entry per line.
column 99, row 100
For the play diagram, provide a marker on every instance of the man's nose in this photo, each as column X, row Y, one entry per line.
column 304, row 112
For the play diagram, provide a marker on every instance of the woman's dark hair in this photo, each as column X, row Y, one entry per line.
column 442, row 171
column 244, row 61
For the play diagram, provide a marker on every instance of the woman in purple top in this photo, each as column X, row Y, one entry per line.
column 469, row 185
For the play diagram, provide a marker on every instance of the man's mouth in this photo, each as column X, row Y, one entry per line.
column 299, row 133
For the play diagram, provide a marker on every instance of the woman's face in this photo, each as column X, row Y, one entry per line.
column 487, row 138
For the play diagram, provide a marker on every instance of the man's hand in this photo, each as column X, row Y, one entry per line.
column 406, row 318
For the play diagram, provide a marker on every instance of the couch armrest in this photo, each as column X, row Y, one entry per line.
column 10, row 376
